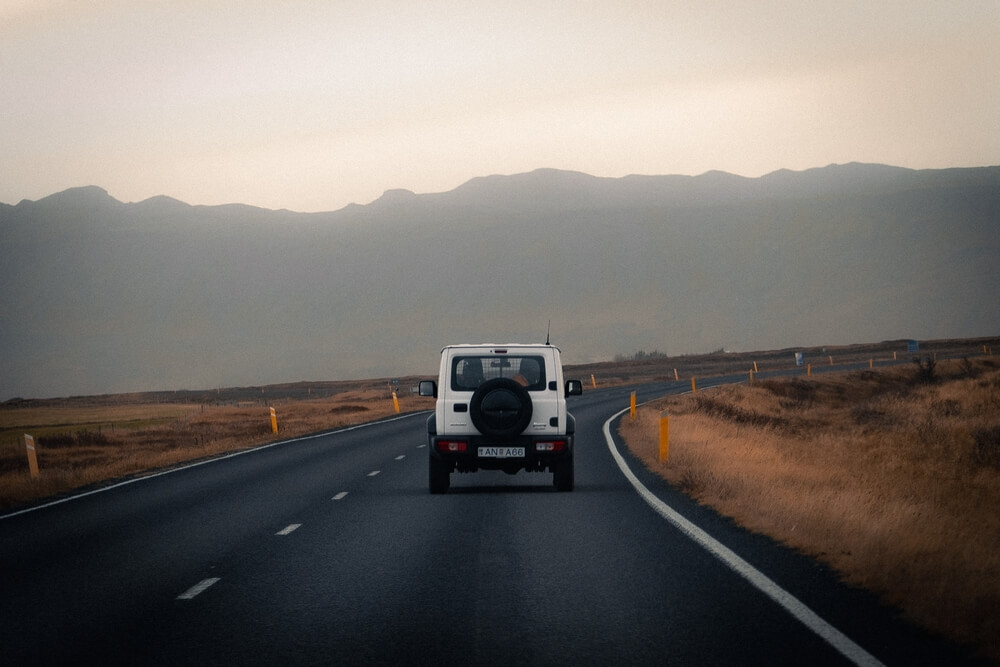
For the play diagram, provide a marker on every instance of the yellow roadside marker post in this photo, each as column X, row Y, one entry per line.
column 593, row 381
column 274, row 421
column 664, row 437
column 29, row 444
column 395, row 402
column 631, row 408
column 676, row 377
column 694, row 387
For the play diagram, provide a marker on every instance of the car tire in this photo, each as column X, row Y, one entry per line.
column 439, row 476
column 562, row 476
column 500, row 408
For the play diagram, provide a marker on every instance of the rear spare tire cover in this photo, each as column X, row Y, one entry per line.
column 500, row 408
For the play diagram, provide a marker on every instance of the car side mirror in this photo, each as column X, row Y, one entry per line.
column 574, row 387
column 428, row 388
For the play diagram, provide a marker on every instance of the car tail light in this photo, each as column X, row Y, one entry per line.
column 550, row 446
column 452, row 445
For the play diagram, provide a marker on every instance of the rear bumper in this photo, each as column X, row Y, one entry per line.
column 535, row 459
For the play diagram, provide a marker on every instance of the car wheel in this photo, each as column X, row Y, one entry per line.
column 562, row 476
column 500, row 408
column 439, row 476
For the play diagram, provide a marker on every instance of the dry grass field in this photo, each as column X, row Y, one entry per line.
column 720, row 363
column 890, row 476
column 86, row 441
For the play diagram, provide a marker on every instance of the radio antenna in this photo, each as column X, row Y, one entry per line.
column 547, row 329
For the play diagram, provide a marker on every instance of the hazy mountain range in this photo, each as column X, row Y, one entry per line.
column 101, row 296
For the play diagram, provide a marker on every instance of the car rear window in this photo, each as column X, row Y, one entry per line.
column 468, row 372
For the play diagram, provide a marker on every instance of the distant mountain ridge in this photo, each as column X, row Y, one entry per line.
column 104, row 296
column 546, row 184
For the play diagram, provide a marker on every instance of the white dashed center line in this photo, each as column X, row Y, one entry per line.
column 374, row 472
column 401, row 457
column 288, row 529
column 340, row 496
column 197, row 589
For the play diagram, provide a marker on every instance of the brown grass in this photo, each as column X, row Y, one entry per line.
column 661, row 369
column 892, row 481
column 83, row 442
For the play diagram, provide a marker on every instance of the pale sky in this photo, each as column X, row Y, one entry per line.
column 311, row 105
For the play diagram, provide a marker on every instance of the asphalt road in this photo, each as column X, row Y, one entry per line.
column 330, row 550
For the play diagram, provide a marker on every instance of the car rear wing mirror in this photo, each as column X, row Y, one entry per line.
column 428, row 388
column 574, row 387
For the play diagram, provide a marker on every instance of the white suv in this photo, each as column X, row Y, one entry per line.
column 500, row 407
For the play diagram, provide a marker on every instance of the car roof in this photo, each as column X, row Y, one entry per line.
column 490, row 347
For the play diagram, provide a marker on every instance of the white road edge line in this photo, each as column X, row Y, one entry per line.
column 205, row 462
column 793, row 605
column 289, row 529
column 198, row 589
column 340, row 496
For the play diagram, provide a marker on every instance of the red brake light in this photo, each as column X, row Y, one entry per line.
column 550, row 446
column 452, row 445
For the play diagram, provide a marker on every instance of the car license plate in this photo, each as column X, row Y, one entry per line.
column 501, row 452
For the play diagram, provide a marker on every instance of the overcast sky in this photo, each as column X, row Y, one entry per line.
column 312, row 105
